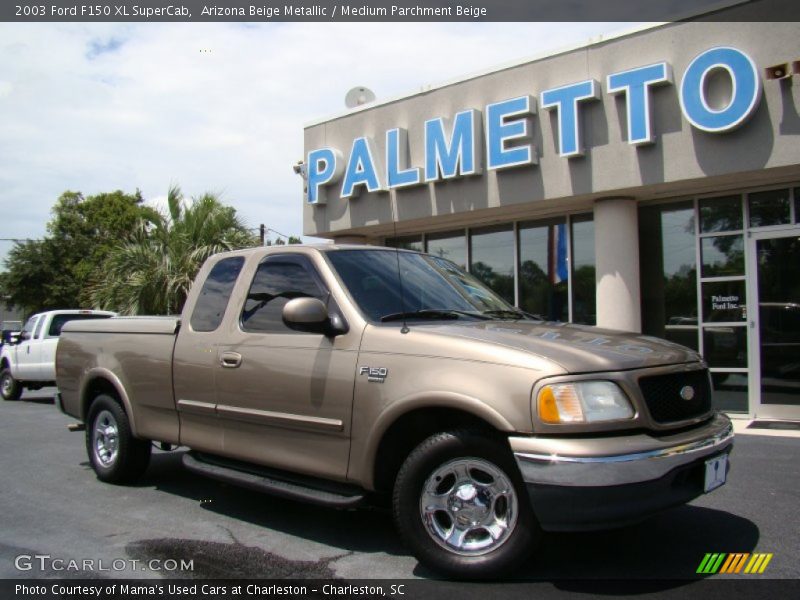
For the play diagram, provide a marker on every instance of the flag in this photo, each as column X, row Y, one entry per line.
column 557, row 270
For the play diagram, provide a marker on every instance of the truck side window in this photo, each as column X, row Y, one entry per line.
column 27, row 331
column 39, row 326
column 278, row 280
column 210, row 307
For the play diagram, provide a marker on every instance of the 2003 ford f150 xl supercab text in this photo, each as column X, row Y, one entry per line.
column 344, row 374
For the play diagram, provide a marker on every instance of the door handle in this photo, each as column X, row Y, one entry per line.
column 231, row 360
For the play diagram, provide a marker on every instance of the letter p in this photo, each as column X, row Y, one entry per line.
column 325, row 166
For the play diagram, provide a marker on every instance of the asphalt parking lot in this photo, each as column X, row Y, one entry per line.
column 52, row 504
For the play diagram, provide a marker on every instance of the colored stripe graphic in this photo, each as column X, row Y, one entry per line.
column 758, row 563
column 720, row 562
column 735, row 562
column 711, row 563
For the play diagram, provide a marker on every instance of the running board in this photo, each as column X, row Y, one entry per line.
column 268, row 484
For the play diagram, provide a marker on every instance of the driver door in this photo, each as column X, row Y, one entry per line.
column 25, row 351
column 285, row 397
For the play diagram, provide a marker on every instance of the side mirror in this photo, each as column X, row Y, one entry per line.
column 311, row 315
column 24, row 335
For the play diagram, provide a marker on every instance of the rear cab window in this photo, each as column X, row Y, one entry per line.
column 213, row 299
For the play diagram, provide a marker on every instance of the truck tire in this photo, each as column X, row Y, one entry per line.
column 460, row 505
column 115, row 455
column 10, row 388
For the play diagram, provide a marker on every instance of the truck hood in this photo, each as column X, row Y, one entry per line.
column 574, row 348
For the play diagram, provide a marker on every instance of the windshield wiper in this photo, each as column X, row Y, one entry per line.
column 432, row 313
column 516, row 314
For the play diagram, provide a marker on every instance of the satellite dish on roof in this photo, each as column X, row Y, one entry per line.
column 357, row 96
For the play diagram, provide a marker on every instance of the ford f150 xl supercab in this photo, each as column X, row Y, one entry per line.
column 29, row 362
column 341, row 374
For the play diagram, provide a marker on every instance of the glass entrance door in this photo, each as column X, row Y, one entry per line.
column 775, row 325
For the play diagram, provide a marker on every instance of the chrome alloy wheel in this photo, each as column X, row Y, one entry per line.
column 106, row 438
column 469, row 506
column 7, row 385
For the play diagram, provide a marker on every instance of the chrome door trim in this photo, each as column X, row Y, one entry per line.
column 267, row 417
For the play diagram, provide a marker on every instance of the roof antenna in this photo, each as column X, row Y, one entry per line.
column 405, row 328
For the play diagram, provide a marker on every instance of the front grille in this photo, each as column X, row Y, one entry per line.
column 662, row 394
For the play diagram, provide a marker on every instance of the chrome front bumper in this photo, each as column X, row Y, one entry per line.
column 617, row 460
column 579, row 483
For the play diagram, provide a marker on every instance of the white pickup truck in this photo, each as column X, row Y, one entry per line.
column 30, row 362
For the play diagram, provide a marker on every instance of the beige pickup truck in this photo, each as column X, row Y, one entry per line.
column 345, row 375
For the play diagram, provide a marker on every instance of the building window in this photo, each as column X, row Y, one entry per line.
column 492, row 259
column 705, row 310
column 723, row 255
column 720, row 214
column 723, row 299
column 409, row 242
column 451, row 245
column 730, row 391
column 584, row 285
column 668, row 272
column 797, row 205
column 544, row 269
column 769, row 208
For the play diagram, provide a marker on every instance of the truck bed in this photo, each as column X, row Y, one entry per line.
column 135, row 353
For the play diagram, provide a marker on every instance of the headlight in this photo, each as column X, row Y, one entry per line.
column 583, row 402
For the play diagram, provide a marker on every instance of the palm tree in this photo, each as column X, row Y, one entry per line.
column 152, row 271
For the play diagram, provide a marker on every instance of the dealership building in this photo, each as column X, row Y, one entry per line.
column 648, row 182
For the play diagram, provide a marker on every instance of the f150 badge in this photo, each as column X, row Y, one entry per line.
column 374, row 374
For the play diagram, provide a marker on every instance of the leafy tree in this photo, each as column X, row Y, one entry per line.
column 30, row 282
column 87, row 229
column 280, row 241
column 151, row 272
column 56, row 272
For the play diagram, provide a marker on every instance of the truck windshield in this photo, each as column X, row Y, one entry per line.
column 430, row 288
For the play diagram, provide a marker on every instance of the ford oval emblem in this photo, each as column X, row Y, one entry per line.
column 687, row 392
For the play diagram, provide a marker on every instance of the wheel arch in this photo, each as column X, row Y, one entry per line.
column 397, row 432
column 102, row 381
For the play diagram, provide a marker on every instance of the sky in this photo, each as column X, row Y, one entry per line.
column 211, row 107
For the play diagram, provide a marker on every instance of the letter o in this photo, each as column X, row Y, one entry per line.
column 745, row 97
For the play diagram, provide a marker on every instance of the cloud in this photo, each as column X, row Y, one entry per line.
column 98, row 47
column 210, row 106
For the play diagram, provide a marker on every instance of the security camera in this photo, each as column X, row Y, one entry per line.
column 300, row 168
column 778, row 71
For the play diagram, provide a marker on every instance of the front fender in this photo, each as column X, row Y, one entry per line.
column 429, row 400
column 6, row 358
